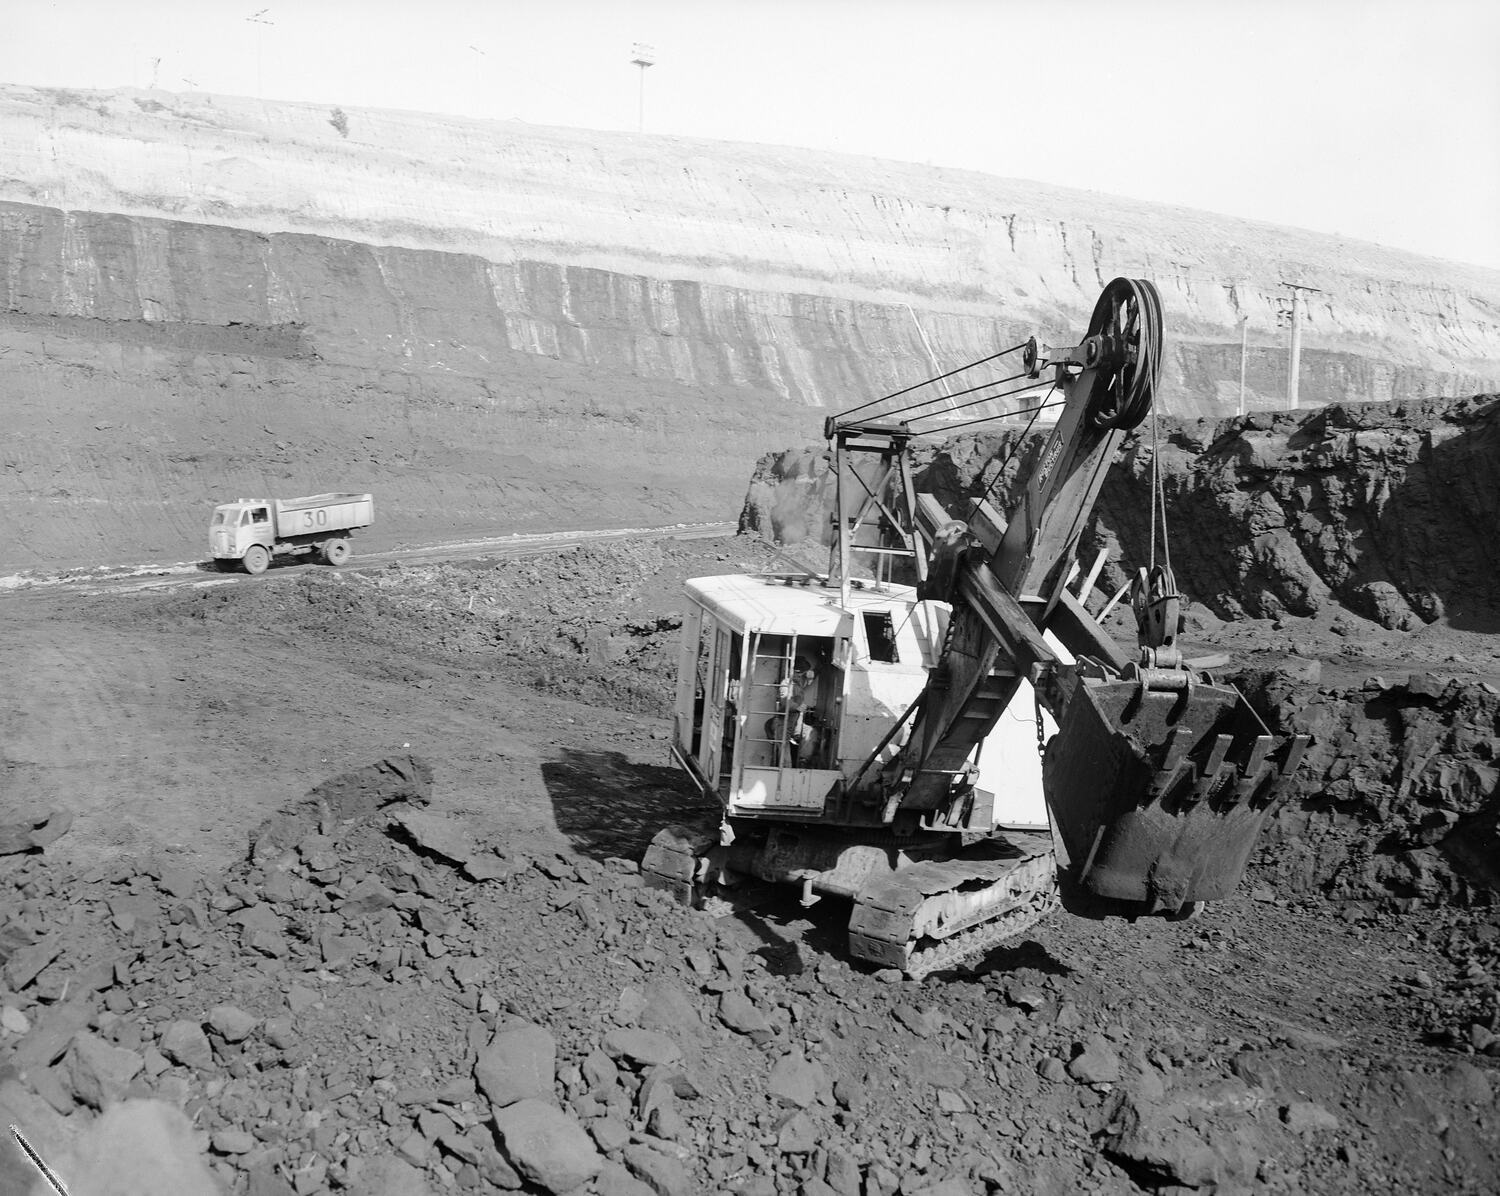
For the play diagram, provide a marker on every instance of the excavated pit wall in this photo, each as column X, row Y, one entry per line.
column 759, row 219
column 1379, row 508
column 156, row 367
column 500, row 326
column 1375, row 516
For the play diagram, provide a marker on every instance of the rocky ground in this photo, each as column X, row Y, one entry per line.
column 440, row 972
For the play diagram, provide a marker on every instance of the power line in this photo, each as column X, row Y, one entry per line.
column 260, row 20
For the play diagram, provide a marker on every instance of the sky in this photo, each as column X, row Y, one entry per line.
column 1374, row 119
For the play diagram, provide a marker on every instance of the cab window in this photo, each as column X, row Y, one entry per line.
column 261, row 515
column 244, row 518
column 220, row 517
column 880, row 634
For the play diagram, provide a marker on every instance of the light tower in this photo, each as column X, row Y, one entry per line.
column 642, row 56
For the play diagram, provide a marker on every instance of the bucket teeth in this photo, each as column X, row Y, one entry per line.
column 1158, row 794
column 1212, row 774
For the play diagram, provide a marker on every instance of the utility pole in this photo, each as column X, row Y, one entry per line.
column 1244, row 340
column 642, row 56
column 260, row 20
column 1234, row 298
column 1294, row 353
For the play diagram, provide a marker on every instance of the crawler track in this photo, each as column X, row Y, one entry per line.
column 931, row 916
column 922, row 917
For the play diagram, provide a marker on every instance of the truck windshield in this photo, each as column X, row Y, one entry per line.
column 221, row 516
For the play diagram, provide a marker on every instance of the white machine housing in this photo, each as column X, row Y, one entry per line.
column 737, row 699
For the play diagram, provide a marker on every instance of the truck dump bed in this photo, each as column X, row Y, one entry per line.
column 322, row 513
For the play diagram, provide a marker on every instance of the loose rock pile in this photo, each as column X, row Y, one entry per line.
column 352, row 1010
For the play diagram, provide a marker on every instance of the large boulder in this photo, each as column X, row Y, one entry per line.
column 548, row 1147
column 519, row 1064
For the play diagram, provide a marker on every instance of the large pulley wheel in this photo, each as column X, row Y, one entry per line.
column 1124, row 342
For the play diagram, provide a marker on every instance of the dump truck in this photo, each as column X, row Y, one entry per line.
column 937, row 729
column 248, row 532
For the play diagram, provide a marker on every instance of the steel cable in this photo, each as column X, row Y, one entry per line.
column 896, row 394
column 957, row 394
column 1015, row 444
column 1020, row 390
column 987, row 419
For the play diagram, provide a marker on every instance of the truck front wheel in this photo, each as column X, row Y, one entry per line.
column 256, row 559
column 336, row 551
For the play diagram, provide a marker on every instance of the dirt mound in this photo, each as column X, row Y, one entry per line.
column 1380, row 509
column 599, row 621
column 1399, row 795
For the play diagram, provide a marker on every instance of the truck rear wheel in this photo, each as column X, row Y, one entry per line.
column 336, row 551
column 256, row 559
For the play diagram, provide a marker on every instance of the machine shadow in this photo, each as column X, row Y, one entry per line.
column 1017, row 955
column 608, row 806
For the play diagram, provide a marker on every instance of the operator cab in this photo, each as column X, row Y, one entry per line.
column 786, row 702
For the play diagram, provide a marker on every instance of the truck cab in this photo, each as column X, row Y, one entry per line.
column 237, row 525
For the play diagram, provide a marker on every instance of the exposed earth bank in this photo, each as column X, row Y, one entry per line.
column 496, row 327
column 1378, row 510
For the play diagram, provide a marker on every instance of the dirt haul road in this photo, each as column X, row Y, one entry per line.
column 178, row 705
column 351, row 1005
column 160, row 576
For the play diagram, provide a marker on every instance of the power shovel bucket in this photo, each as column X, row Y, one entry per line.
column 1158, row 786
